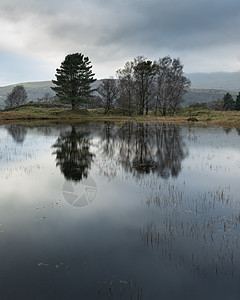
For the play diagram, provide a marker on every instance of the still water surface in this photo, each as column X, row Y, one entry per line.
column 135, row 211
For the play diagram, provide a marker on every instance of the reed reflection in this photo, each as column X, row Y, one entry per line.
column 187, row 232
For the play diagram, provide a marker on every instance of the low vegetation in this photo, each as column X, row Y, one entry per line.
column 196, row 116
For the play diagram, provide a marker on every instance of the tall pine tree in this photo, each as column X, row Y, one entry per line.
column 229, row 103
column 237, row 105
column 74, row 79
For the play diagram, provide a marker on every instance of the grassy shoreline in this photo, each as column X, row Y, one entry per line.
column 203, row 117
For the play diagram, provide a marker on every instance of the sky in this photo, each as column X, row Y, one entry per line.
column 37, row 35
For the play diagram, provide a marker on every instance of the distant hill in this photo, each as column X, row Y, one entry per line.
column 219, row 80
column 34, row 90
column 37, row 90
column 204, row 95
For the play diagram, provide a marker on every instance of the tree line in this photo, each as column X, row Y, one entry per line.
column 229, row 103
column 141, row 85
column 138, row 149
column 225, row 103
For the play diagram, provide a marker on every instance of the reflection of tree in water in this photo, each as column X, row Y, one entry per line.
column 238, row 131
column 17, row 132
column 108, row 139
column 227, row 130
column 46, row 130
column 136, row 148
column 144, row 148
column 73, row 154
column 170, row 150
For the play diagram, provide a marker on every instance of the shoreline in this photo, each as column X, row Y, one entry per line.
column 203, row 118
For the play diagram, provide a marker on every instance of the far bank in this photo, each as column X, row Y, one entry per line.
column 196, row 117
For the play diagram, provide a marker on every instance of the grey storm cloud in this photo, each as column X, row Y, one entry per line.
column 177, row 24
column 114, row 30
column 152, row 23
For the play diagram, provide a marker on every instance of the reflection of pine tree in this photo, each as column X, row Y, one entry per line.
column 17, row 132
column 73, row 154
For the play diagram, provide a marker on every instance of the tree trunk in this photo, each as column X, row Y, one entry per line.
column 164, row 111
column 156, row 107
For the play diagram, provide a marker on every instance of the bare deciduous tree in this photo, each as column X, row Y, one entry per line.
column 109, row 92
column 17, row 97
column 126, row 100
column 179, row 85
column 144, row 72
column 136, row 85
column 171, row 85
column 145, row 85
column 9, row 102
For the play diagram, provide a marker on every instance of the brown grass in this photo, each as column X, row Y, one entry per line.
column 205, row 117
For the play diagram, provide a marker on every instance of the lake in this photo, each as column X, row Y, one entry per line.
column 128, row 211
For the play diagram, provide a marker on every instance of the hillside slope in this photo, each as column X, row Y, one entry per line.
column 204, row 95
column 37, row 90
column 34, row 90
column 218, row 80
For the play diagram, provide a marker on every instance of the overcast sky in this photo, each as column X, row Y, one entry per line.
column 37, row 35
